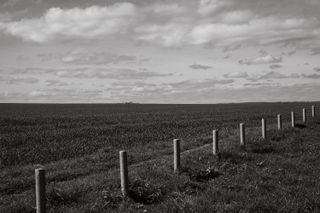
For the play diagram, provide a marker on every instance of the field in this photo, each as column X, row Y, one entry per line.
column 78, row 145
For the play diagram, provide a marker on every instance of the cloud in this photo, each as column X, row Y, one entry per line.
column 272, row 75
column 221, row 23
column 38, row 70
column 261, row 30
column 237, row 17
column 158, row 93
column 137, row 89
column 312, row 76
column 291, row 53
column 315, row 51
column 207, row 7
column 4, row 17
column 258, row 77
column 18, row 80
column 168, row 93
column 171, row 34
column 91, row 22
column 274, row 92
column 263, row 52
column 9, row 3
column 166, row 9
column 200, row 67
column 86, row 72
column 64, row 95
column 227, row 56
column 275, row 66
column 236, row 75
column 54, row 95
column 55, row 83
column 142, row 89
column 84, row 56
column 262, row 84
column 267, row 59
column 198, row 84
column 12, row 3
column 231, row 48
column 111, row 73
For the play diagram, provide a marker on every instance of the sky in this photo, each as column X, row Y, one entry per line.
column 159, row 51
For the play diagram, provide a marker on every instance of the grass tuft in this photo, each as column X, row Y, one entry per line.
column 188, row 187
column 145, row 193
column 112, row 198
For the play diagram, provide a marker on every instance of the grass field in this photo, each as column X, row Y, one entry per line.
column 79, row 145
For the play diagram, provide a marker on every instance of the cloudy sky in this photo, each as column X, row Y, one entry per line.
column 159, row 51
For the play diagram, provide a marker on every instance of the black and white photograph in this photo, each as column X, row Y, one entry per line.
column 159, row 106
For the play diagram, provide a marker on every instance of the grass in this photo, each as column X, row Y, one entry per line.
column 279, row 174
column 35, row 133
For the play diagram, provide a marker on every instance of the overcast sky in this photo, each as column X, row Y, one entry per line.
column 157, row 51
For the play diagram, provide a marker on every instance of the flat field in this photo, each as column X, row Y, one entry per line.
column 39, row 134
column 78, row 144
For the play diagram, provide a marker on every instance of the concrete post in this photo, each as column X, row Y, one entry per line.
column 293, row 122
column 40, row 179
column 313, row 112
column 176, row 155
column 215, row 145
column 124, row 173
column 263, row 128
column 242, row 135
column 279, row 122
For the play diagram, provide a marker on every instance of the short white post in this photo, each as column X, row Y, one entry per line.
column 293, row 122
column 242, row 135
column 176, row 155
column 124, row 173
column 279, row 121
column 40, row 179
column 304, row 117
column 263, row 128
column 313, row 112
column 215, row 142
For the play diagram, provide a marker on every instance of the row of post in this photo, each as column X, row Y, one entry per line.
column 304, row 116
column 40, row 179
column 215, row 146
